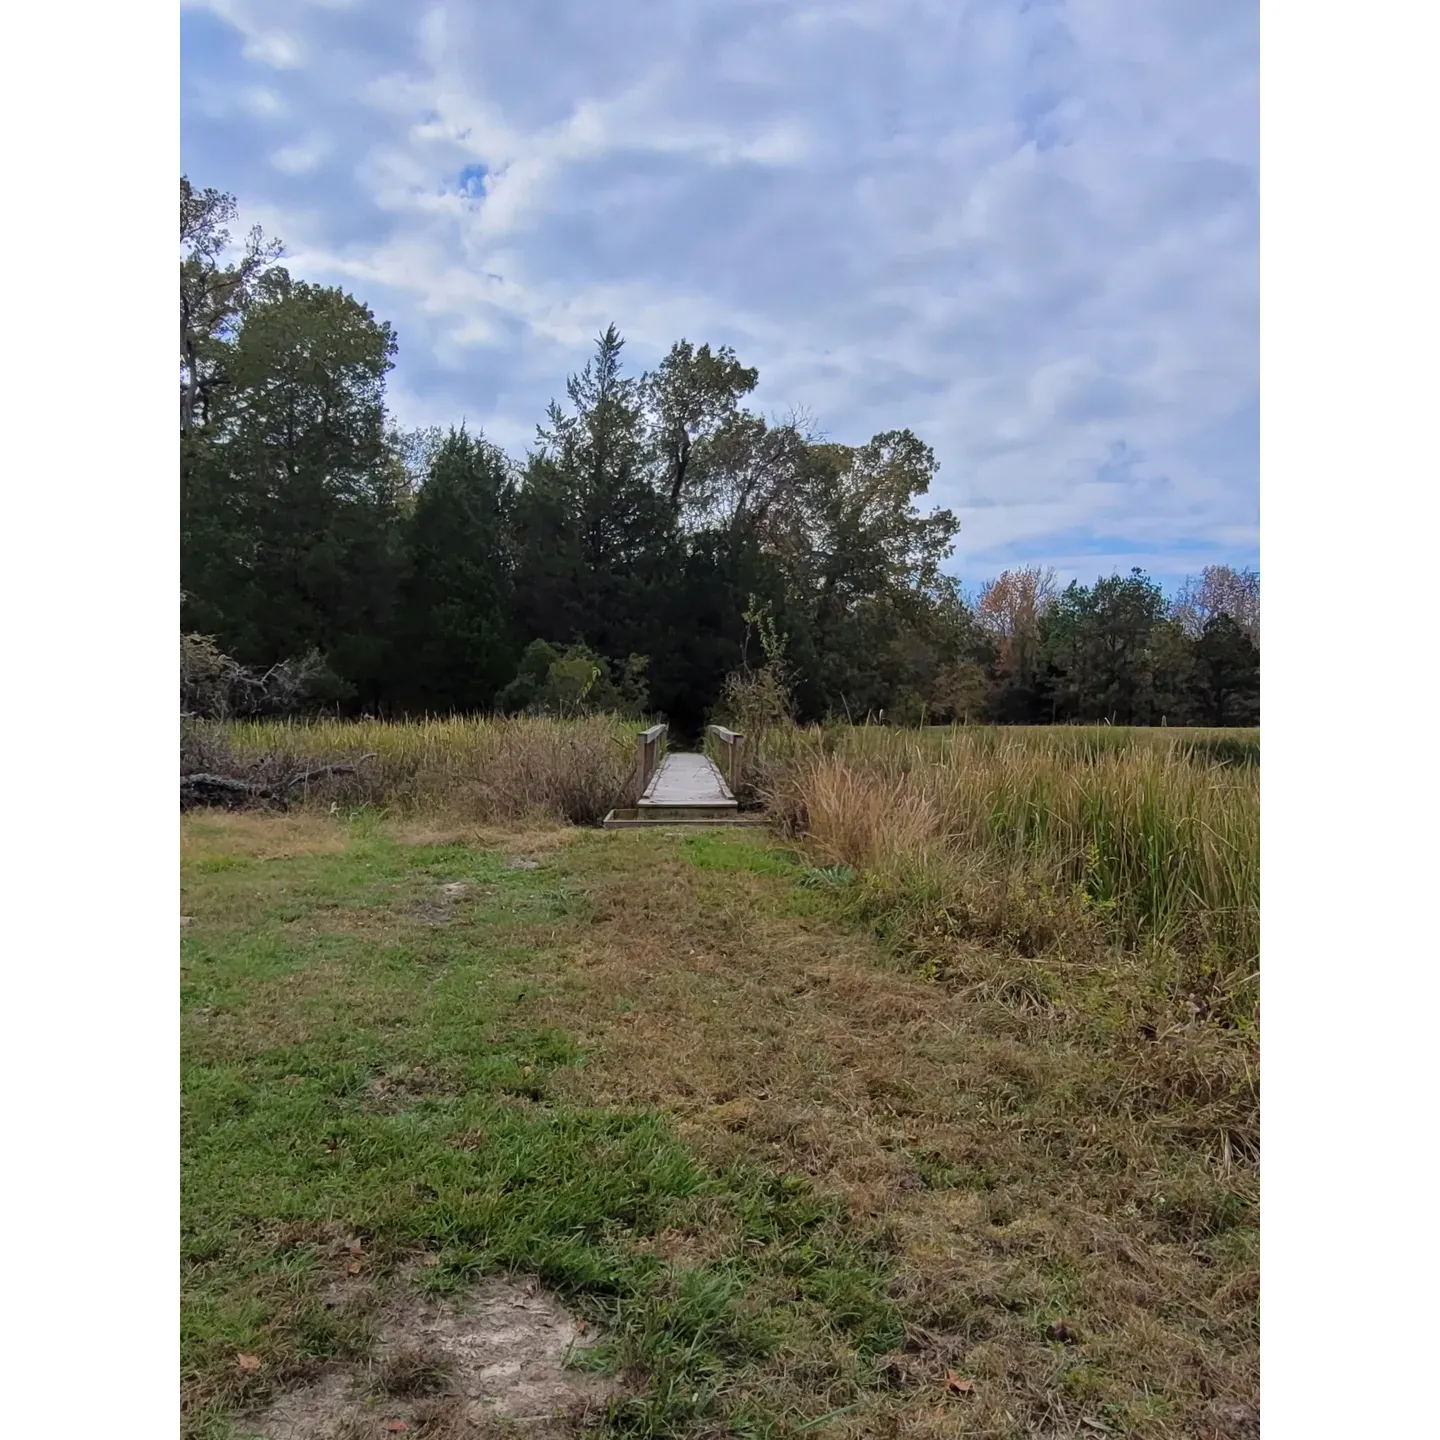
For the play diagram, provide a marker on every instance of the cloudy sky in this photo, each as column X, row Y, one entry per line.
column 1026, row 229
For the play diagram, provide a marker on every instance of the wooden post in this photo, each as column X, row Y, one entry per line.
column 733, row 744
column 647, row 748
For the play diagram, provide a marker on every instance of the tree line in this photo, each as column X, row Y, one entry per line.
column 657, row 538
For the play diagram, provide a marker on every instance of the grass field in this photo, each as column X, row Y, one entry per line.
column 913, row 1128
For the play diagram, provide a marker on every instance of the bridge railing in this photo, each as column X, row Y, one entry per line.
column 730, row 755
column 649, row 746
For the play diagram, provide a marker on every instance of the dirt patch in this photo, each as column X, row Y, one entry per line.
column 522, row 862
column 400, row 1088
column 431, row 912
column 493, row 1363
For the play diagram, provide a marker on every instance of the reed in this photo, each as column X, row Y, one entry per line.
column 1151, row 838
column 474, row 768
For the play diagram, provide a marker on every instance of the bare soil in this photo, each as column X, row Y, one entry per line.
column 492, row 1363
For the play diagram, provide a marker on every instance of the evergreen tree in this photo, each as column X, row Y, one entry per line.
column 1096, row 643
column 1227, row 674
column 455, row 642
column 596, row 545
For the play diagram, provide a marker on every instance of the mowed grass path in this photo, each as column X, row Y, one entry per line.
column 800, row 1191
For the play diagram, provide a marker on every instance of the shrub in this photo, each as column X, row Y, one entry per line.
column 574, row 681
column 213, row 686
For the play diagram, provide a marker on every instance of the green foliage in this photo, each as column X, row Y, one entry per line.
column 1226, row 683
column 290, row 497
column 1096, row 640
column 212, row 295
column 574, row 681
column 455, row 643
column 655, row 516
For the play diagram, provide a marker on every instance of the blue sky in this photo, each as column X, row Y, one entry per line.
column 1027, row 230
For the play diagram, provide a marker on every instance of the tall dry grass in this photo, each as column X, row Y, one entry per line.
column 467, row 767
column 1142, row 839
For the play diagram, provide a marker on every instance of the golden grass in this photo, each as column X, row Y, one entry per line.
column 1143, row 838
column 1039, row 1100
column 209, row 834
column 464, row 768
column 265, row 835
column 1096, row 896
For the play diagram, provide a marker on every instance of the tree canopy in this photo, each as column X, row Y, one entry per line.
column 634, row 558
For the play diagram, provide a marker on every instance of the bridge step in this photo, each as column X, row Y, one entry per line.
column 647, row 817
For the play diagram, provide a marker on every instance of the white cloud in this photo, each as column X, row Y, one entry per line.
column 1030, row 235
column 302, row 157
column 268, row 45
column 276, row 49
column 262, row 103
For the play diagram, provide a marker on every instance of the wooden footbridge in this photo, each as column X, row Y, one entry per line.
column 683, row 787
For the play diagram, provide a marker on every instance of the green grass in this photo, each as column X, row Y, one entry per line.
column 802, row 1137
column 366, row 1062
column 1147, row 837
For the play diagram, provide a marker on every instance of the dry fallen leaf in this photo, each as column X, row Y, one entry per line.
column 396, row 1426
column 955, row 1385
column 248, row 1363
column 355, row 1247
column 354, row 1267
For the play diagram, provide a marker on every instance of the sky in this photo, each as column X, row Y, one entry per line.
column 1028, row 231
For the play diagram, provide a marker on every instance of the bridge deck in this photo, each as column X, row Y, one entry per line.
column 685, row 778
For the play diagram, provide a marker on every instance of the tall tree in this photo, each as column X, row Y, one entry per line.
column 691, row 396
column 1010, row 611
column 1219, row 590
column 213, row 293
column 1172, row 675
column 455, row 643
column 595, row 541
column 857, row 554
column 1096, row 643
column 1227, row 674
column 289, row 517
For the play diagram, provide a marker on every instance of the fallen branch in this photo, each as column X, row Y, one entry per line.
column 194, row 785
column 308, row 775
column 201, row 781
